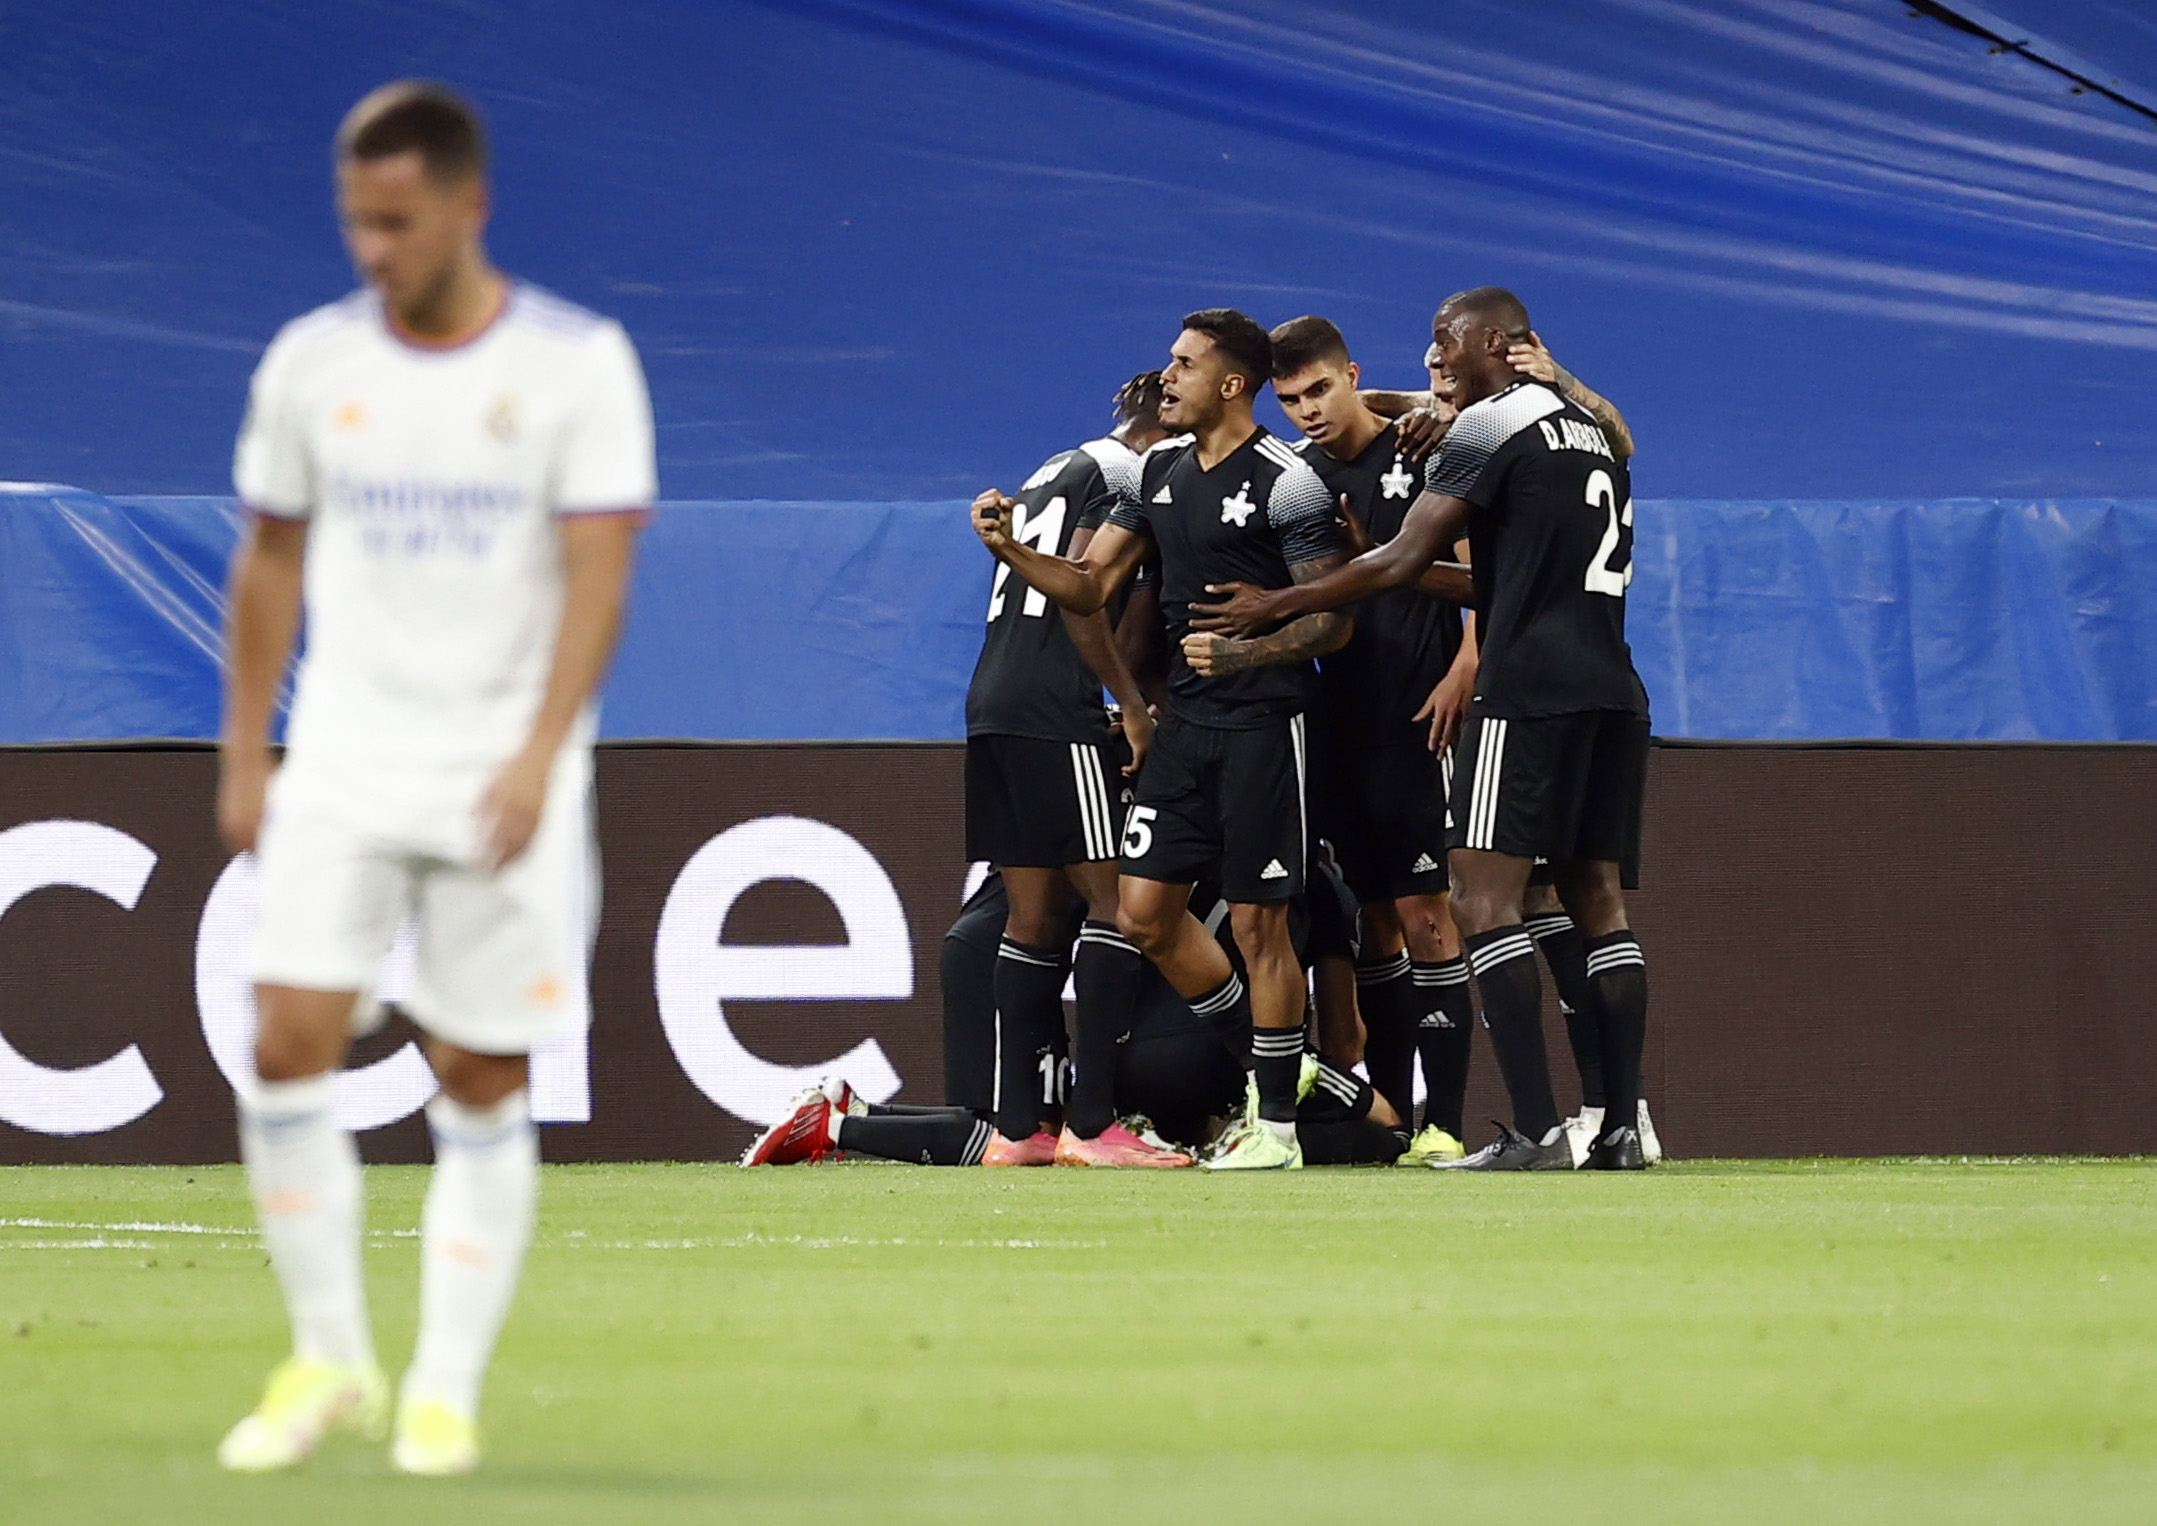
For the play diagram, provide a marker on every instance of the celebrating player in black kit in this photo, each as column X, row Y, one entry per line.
column 1224, row 786
column 1378, row 790
column 1552, row 761
column 1043, row 800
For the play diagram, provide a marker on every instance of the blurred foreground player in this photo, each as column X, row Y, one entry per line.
column 1043, row 791
column 453, row 468
column 1552, row 762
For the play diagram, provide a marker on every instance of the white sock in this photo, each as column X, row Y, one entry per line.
column 473, row 1232
column 1284, row 1132
column 305, row 1175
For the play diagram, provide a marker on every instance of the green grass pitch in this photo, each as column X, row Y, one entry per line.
column 1833, row 1342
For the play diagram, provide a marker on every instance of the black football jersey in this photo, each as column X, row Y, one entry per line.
column 1259, row 511
column 1030, row 680
column 1370, row 690
column 1551, row 540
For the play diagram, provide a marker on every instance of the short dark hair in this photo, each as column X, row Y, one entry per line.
column 1493, row 306
column 1238, row 336
column 1138, row 401
column 1307, row 341
column 417, row 116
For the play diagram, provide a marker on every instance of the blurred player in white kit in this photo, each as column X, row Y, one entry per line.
column 454, row 467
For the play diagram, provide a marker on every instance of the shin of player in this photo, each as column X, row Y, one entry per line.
column 1225, row 783
column 449, row 471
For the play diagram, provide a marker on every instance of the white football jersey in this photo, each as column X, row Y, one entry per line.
column 432, row 478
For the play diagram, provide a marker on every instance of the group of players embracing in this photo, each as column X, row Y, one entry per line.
column 1377, row 741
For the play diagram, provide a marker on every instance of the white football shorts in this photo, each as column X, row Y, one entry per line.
column 345, row 855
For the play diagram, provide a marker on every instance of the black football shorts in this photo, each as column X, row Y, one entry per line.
column 1383, row 809
column 1223, row 805
column 1032, row 804
column 1560, row 787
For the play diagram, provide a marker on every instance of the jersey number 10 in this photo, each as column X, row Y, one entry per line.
column 1602, row 577
column 1044, row 532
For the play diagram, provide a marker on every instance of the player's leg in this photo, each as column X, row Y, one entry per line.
column 474, row 1229
column 1565, row 955
column 1504, row 793
column 945, row 1136
column 1106, row 972
column 329, row 908
column 1172, row 837
column 1031, row 962
column 968, row 970
column 500, row 969
column 1445, row 1018
column 1026, row 813
column 1608, row 839
column 1344, row 1121
column 1259, row 790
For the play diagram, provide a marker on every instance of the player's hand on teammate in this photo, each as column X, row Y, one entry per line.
column 243, row 784
column 509, row 811
column 1417, row 432
column 1242, row 611
column 1212, row 656
column 1447, row 707
column 1530, row 358
column 1357, row 538
column 992, row 519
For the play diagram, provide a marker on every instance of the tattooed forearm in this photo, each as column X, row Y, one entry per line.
column 1606, row 414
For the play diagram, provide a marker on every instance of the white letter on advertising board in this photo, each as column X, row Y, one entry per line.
column 116, row 1090
column 696, row 974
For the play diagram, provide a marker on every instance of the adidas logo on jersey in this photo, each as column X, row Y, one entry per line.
column 1162, row 496
column 1424, row 864
column 1434, row 1020
column 1273, row 871
column 1234, row 511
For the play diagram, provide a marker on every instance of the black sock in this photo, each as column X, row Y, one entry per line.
column 1444, row 1033
column 1337, row 1096
column 1386, row 996
column 1504, row 963
column 969, row 977
column 1277, row 1059
column 949, row 1136
column 1618, row 982
column 1107, row 969
column 1029, row 1027
column 1566, row 953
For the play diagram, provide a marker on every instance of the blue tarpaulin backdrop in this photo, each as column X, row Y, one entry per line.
column 1977, row 619
column 891, row 249
column 1875, row 292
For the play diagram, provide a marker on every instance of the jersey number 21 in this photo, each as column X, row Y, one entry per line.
column 1043, row 531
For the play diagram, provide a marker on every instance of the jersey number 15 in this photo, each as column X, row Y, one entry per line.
column 1044, row 532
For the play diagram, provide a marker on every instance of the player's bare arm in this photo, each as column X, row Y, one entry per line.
column 1447, row 706
column 1309, row 636
column 597, row 550
column 1142, row 638
column 1097, row 644
column 263, row 619
column 1532, row 358
column 1433, row 523
column 1081, row 586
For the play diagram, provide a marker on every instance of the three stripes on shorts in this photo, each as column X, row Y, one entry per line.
column 1096, row 818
